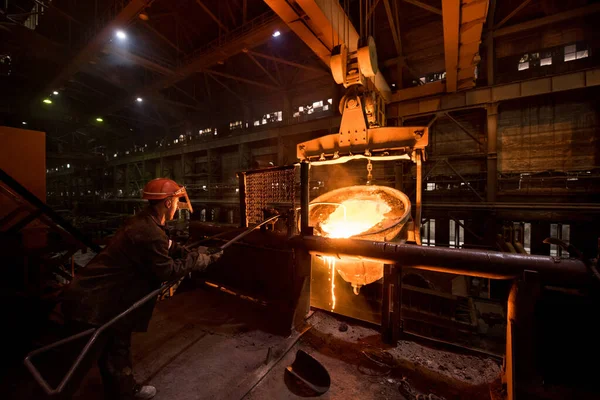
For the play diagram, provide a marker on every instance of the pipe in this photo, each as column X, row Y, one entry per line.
column 470, row 262
column 418, row 201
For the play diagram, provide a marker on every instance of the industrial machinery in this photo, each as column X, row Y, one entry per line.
column 352, row 245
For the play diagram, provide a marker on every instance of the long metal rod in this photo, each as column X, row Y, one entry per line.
column 247, row 232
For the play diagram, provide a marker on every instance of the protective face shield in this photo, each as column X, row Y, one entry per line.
column 162, row 188
column 184, row 200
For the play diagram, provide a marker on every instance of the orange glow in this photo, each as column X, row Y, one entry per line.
column 353, row 217
column 331, row 264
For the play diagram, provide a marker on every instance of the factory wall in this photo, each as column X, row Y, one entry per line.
column 549, row 133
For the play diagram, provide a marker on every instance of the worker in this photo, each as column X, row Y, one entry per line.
column 138, row 259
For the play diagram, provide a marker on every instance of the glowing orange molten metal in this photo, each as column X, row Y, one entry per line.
column 354, row 217
column 364, row 212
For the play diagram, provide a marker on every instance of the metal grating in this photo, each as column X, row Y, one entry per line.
column 267, row 188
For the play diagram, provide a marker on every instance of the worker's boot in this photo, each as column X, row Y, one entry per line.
column 145, row 392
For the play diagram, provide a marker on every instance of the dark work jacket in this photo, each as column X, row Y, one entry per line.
column 136, row 262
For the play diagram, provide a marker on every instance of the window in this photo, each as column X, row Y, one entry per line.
column 571, row 53
column 546, row 61
column 430, row 186
column 524, row 62
column 562, row 232
column 428, row 233
column 276, row 116
column 434, row 77
column 457, row 233
column 312, row 108
column 235, row 125
column 522, row 234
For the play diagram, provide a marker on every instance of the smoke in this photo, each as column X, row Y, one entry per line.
column 340, row 175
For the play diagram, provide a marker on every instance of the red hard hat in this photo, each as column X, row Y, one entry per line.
column 161, row 188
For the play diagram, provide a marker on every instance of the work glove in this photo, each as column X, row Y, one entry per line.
column 206, row 257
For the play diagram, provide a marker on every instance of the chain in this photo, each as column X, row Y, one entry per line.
column 369, row 174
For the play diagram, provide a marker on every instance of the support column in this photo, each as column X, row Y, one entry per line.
column 115, row 180
column 489, row 44
column 442, row 231
column 126, row 191
column 280, row 150
column 182, row 168
column 399, row 174
column 539, row 232
column 492, row 155
column 245, row 156
column 209, row 177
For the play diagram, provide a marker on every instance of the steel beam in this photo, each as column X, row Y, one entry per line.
column 213, row 16
column 160, row 36
column 218, row 142
column 322, row 27
column 552, row 19
column 240, row 79
column 287, row 62
column 58, row 11
column 424, row 6
column 240, row 98
column 254, row 33
column 479, row 97
column 512, row 14
column 141, row 61
column 129, row 12
column 462, row 128
column 263, row 69
column 394, row 28
column 451, row 18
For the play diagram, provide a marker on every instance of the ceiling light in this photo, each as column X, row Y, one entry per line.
column 55, row 93
column 121, row 35
column 47, row 101
column 276, row 33
column 68, row 165
column 139, row 99
column 24, row 123
column 99, row 119
column 143, row 16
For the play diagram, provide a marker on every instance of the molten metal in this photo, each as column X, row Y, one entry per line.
column 366, row 212
column 354, row 217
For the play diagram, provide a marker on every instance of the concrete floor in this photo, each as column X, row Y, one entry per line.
column 206, row 344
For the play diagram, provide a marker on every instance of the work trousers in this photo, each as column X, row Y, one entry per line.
column 112, row 352
column 115, row 366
